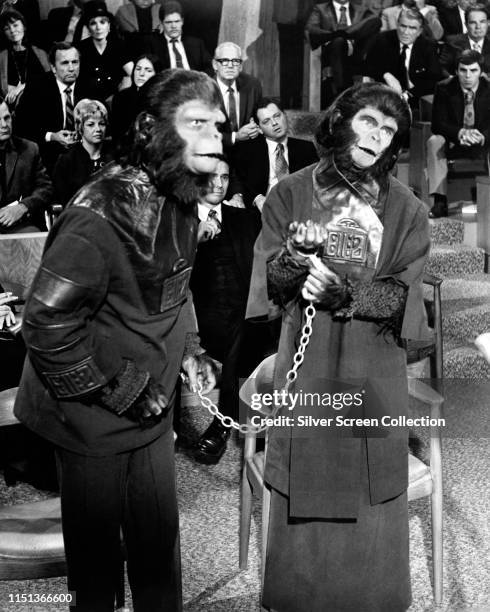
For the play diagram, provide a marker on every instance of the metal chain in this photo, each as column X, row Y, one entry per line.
column 226, row 421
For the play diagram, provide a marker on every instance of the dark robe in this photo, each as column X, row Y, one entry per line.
column 330, row 474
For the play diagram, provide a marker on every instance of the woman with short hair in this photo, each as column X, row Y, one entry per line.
column 90, row 154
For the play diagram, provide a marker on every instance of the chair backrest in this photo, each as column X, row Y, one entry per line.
column 20, row 255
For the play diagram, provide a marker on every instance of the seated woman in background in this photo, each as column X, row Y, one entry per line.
column 74, row 168
column 19, row 61
column 105, row 64
column 125, row 103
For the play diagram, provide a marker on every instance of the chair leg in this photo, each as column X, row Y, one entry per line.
column 437, row 544
column 245, row 518
column 266, row 504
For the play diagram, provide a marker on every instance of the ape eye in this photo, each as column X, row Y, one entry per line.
column 197, row 122
column 387, row 131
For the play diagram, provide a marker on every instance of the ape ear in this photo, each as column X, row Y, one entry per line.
column 143, row 128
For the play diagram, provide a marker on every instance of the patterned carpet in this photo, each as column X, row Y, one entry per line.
column 209, row 511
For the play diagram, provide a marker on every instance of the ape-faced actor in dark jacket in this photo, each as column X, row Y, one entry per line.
column 106, row 325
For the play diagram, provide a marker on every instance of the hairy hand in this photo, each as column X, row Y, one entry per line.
column 318, row 281
column 201, row 370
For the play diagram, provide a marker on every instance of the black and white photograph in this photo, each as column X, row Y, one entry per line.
column 244, row 305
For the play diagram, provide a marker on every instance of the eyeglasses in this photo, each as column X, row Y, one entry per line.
column 224, row 61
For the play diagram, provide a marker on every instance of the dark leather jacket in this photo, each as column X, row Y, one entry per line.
column 111, row 291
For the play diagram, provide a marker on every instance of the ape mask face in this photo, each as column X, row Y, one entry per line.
column 176, row 136
column 374, row 133
column 363, row 130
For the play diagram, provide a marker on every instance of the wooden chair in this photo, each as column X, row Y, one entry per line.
column 424, row 480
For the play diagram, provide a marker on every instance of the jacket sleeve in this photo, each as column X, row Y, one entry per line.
column 441, row 122
column 42, row 188
column 67, row 293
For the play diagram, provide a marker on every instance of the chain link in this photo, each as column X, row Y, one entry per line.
column 244, row 428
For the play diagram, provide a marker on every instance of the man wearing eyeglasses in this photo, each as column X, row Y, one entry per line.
column 239, row 92
column 172, row 48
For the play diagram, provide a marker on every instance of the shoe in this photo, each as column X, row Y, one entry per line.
column 439, row 209
column 212, row 444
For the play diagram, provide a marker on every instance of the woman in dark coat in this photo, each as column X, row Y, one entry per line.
column 74, row 168
column 104, row 59
column 125, row 102
column 19, row 61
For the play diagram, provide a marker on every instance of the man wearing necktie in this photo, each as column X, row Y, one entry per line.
column 343, row 29
column 220, row 283
column 172, row 47
column 261, row 163
column 404, row 58
column 45, row 110
column 460, row 124
column 475, row 38
column 239, row 93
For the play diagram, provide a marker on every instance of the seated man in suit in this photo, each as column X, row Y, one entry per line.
column 460, row 124
column 432, row 26
column 343, row 29
column 475, row 38
column 172, row 48
column 404, row 59
column 239, row 93
column 260, row 163
column 65, row 23
column 25, row 187
column 220, row 282
column 452, row 16
column 45, row 111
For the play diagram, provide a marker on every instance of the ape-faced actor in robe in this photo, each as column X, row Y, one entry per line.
column 107, row 329
column 338, row 535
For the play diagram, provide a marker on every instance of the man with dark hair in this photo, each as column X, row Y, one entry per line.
column 174, row 49
column 220, row 282
column 348, row 238
column 343, row 29
column 405, row 59
column 260, row 163
column 460, row 124
column 108, row 326
column 25, row 187
column 475, row 38
column 45, row 110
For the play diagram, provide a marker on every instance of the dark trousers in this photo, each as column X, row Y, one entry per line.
column 134, row 491
column 291, row 51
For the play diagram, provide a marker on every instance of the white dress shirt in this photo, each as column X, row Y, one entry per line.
column 337, row 7
column 271, row 149
column 203, row 211
column 462, row 16
column 224, row 94
column 62, row 88
column 408, row 55
column 180, row 47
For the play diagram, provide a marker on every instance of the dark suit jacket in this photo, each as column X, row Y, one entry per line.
column 250, row 160
column 40, row 110
column 197, row 54
column 450, row 19
column 250, row 91
column 453, row 47
column 424, row 69
column 26, row 179
column 242, row 227
column 448, row 109
column 323, row 20
column 58, row 22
